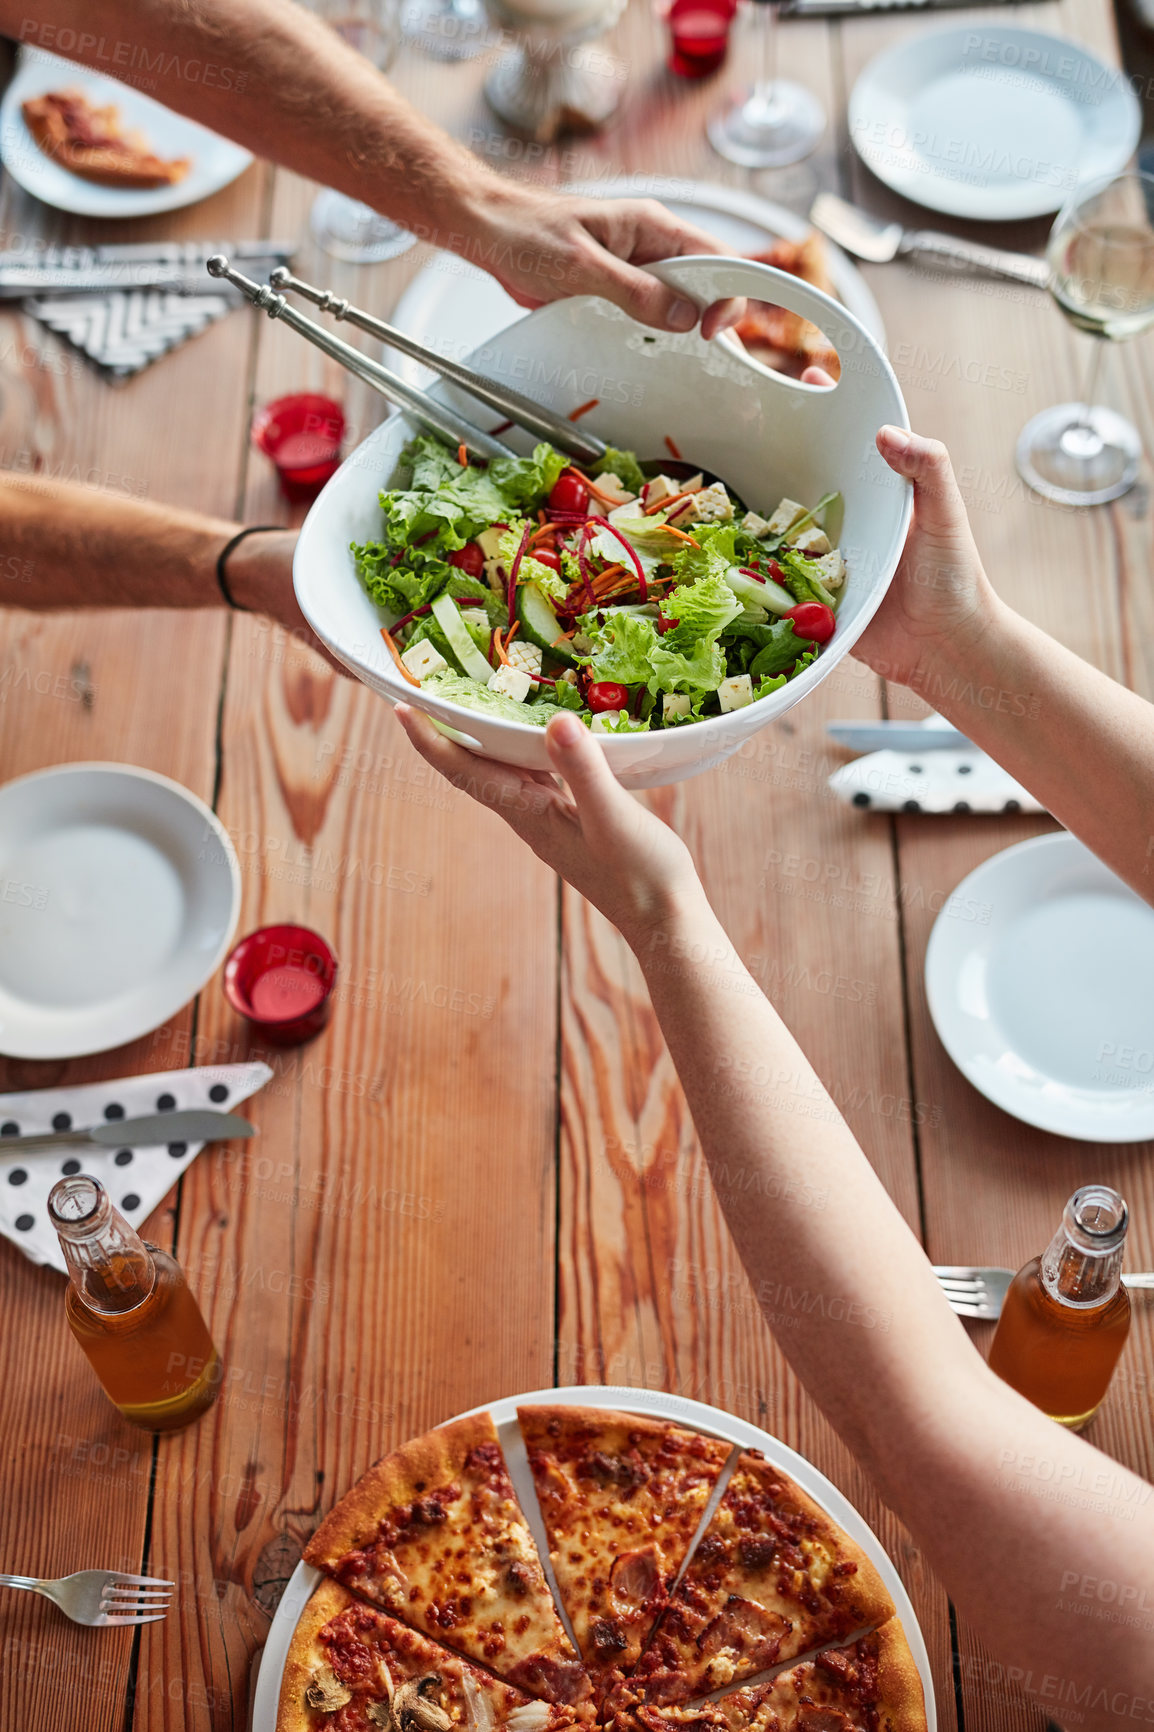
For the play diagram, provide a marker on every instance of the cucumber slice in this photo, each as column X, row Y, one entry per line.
column 768, row 594
column 540, row 625
column 448, row 616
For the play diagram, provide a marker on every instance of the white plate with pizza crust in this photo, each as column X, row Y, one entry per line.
column 216, row 162
column 654, row 1404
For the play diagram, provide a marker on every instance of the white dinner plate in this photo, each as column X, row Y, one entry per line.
column 988, row 121
column 655, row 1404
column 215, row 161
column 455, row 307
column 1040, row 981
column 119, row 894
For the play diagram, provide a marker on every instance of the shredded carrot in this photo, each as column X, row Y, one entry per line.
column 576, row 414
column 680, row 533
column 605, row 498
column 675, row 499
column 463, row 455
column 396, row 655
column 512, row 632
column 499, row 646
column 564, row 638
column 542, row 533
column 672, row 449
column 609, row 571
column 541, row 519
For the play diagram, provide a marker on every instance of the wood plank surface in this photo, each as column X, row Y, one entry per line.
column 483, row 1176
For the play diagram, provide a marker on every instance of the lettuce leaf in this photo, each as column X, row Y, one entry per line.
column 555, row 584
column 526, row 480
column 701, row 669
column 780, row 650
column 459, row 689
column 624, row 465
column 702, row 610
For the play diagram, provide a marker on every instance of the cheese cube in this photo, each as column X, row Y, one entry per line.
column 614, row 488
column 812, row 541
column 788, row 512
column 753, row 524
column 527, row 657
column 711, row 505
column 602, row 719
column 569, row 676
column 511, row 682
column 581, row 643
column 831, row 569
column 661, row 487
column 675, row 704
column 423, row 659
column 736, row 692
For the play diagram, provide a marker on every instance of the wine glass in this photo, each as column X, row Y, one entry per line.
column 776, row 122
column 1101, row 254
column 344, row 227
column 447, row 29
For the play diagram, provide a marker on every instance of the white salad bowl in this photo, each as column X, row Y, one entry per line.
column 765, row 435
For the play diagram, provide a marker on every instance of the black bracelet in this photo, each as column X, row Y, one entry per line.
column 222, row 559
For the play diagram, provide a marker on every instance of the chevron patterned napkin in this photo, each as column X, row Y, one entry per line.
column 136, row 1178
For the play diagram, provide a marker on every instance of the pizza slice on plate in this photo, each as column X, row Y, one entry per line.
column 621, row 1497
column 434, row 1535
column 772, row 1578
column 89, row 142
column 351, row 1668
column 872, row 1685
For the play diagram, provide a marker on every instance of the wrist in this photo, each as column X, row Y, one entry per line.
column 259, row 571
column 676, row 923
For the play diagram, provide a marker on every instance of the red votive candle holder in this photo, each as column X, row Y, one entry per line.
column 302, row 434
column 281, row 979
column 699, row 35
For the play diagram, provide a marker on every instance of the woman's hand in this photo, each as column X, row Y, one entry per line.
column 542, row 245
column 940, row 601
column 624, row 860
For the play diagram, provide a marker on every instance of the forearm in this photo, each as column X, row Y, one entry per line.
column 850, row 1296
column 65, row 546
column 277, row 80
column 1079, row 741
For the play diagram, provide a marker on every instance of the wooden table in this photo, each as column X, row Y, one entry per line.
column 483, row 1178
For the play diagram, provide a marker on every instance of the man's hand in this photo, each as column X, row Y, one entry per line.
column 542, row 245
column 621, row 857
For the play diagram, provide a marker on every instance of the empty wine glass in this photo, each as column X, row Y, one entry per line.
column 1101, row 255
column 344, row 227
column 774, row 123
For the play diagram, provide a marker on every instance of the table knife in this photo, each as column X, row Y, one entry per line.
column 879, row 242
column 897, row 737
column 193, row 1125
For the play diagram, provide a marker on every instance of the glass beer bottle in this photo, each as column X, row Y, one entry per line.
column 1067, row 1315
column 131, row 1310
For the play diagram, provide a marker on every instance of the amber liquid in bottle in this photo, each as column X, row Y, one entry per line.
column 1066, row 1316
column 130, row 1309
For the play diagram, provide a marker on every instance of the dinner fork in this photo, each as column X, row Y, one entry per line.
column 101, row 1596
column 981, row 1293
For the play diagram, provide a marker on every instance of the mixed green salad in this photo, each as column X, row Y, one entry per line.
column 523, row 586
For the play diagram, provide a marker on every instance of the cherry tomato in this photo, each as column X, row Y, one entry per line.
column 469, row 559
column 813, row 621
column 568, row 493
column 607, row 695
column 552, row 560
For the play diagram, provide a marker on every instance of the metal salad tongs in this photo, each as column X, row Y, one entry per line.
column 440, row 418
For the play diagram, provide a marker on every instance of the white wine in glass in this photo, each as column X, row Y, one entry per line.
column 344, row 227
column 1101, row 256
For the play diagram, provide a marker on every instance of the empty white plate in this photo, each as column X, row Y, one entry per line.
column 215, row 161
column 992, row 122
column 1040, row 982
column 119, row 894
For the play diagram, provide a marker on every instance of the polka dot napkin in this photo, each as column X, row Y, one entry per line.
column 135, row 1178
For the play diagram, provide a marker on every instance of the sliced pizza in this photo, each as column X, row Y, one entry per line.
column 772, row 1578
column 621, row 1497
column 872, row 1685
column 89, row 142
column 351, row 1668
column 434, row 1535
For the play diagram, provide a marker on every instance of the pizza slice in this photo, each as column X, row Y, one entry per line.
column 89, row 142
column 434, row 1534
column 872, row 1685
column 772, row 1578
column 351, row 1668
column 621, row 1497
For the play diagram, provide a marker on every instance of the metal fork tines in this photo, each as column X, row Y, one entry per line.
column 534, row 417
column 440, row 419
column 980, row 1292
column 101, row 1597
